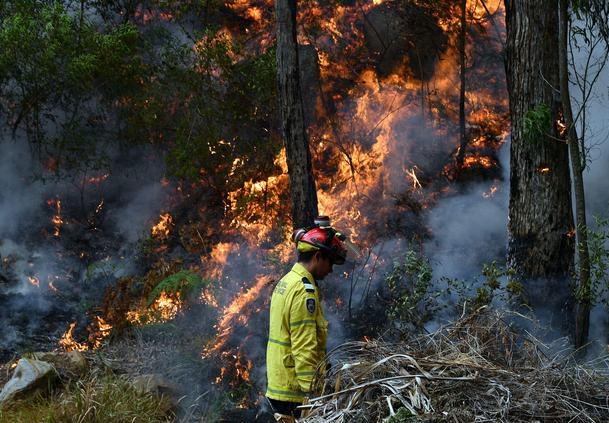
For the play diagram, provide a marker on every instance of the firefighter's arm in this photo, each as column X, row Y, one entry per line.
column 303, row 330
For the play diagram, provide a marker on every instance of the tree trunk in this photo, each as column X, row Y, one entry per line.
column 540, row 227
column 462, row 63
column 583, row 298
column 300, row 169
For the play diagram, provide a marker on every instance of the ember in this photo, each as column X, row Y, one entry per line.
column 33, row 280
column 56, row 220
column 163, row 228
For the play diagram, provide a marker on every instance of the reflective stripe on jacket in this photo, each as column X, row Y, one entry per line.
column 297, row 336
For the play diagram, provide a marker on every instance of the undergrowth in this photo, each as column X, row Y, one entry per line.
column 92, row 400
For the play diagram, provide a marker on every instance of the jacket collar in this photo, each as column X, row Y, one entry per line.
column 300, row 269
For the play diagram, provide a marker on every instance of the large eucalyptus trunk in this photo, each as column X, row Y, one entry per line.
column 300, row 169
column 540, row 227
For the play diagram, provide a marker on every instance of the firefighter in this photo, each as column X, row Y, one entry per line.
column 297, row 327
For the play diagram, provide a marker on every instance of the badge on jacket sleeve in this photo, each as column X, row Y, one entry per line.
column 311, row 305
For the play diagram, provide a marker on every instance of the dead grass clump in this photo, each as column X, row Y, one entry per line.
column 479, row 369
column 95, row 399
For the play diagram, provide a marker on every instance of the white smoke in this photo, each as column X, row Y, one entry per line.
column 42, row 275
column 596, row 133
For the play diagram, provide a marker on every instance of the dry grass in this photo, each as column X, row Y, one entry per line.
column 95, row 399
column 478, row 369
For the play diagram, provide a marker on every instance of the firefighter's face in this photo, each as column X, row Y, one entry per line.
column 322, row 266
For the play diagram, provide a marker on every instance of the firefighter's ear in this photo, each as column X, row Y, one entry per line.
column 321, row 255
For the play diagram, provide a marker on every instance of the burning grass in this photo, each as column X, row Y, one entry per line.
column 477, row 369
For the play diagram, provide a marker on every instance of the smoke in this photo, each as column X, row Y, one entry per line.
column 44, row 276
column 597, row 139
column 21, row 204
column 596, row 133
column 470, row 229
column 19, row 193
column 141, row 208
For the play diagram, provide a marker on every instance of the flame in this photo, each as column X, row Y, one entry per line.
column 97, row 179
column 56, row 220
column 491, row 192
column 413, row 177
column 167, row 306
column 219, row 256
column 561, row 126
column 254, row 13
column 99, row 207
column 209, row 298
column 68, row 343
column 236, row 313
column 98, row 331
column 478, row 160
column 146, row 15
column 238, row 371
column 371, row 151
column 162, row 229
column 257, row 203
column 164, row 308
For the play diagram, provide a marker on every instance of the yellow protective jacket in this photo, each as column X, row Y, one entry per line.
column 297, row 336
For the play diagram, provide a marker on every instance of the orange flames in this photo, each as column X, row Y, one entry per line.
column 365, row 155
column 256, row 206
column 164, row 308
column 162, row 229
column 368, row 151
column 97, row 179
column 236, row 313
column 33, row 280
column 478, row 160
column 68, row 343
column 98, row 330
column 237, row 371
column 491, row 192
column 56, row 220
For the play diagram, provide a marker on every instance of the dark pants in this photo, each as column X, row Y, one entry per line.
column 285, row 407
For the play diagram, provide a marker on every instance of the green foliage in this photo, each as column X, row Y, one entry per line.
column 537, row 123
column 414, row 300
column 402, row 415
column 598, row 245
column 74, row 83
column 60, row 76
column 181, row 284
column 491, row 287
column 408, row 283
column 224, row 131
column 417, row 300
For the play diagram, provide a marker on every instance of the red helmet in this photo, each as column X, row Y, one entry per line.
column 324, row 238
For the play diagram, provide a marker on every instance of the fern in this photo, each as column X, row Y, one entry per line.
column 536, row 122
column 181, row 284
